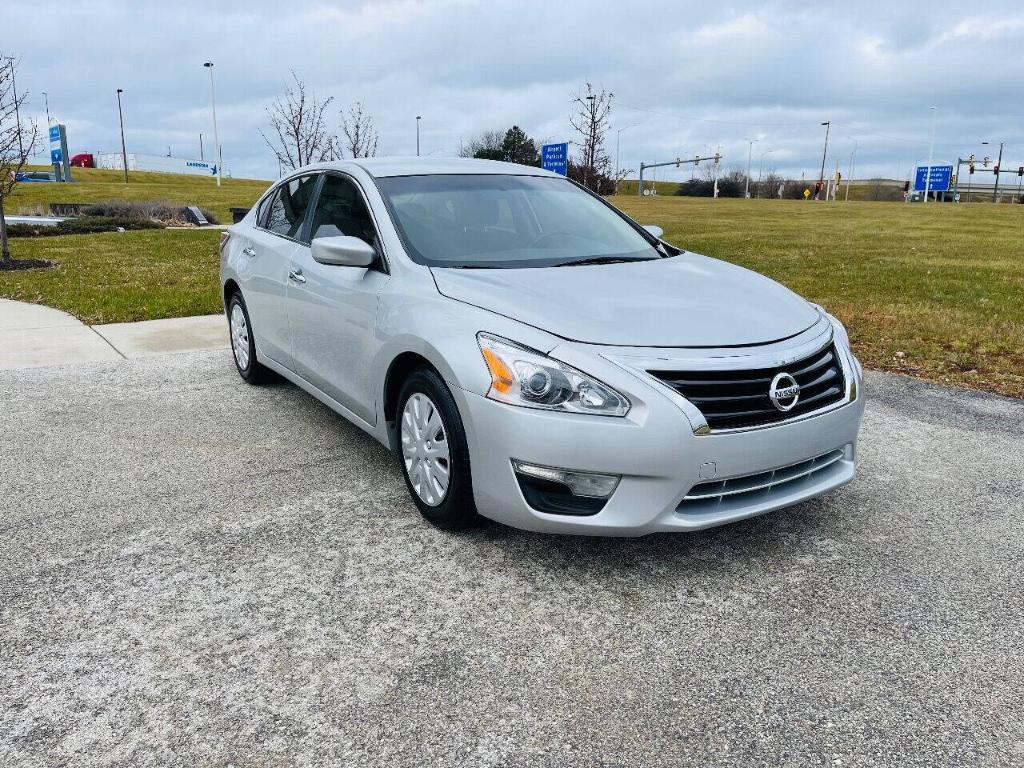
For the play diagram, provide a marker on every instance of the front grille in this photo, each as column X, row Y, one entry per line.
column 739, row 398
column 736, row 492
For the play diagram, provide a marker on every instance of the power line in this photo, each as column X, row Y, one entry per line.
column 678, row 116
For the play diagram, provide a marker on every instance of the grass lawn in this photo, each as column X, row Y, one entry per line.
column 933, row 291
column 93, row 185
column 121, row 276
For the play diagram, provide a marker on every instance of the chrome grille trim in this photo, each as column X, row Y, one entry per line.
column 737, row 399
column 718, row 489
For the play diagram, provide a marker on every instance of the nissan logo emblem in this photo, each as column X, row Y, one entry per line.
column 784, row 392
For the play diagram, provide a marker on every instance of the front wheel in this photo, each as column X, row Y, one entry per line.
column 434, row 453
column 243, row 345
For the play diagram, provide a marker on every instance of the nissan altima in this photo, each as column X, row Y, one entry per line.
column 533, row 355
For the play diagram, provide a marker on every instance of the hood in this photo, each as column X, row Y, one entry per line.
column 682, row 301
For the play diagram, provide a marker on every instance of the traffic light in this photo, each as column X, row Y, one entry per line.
column 906, row 186
column 972, row 166
column 1020, row 171
column 678, row 161
column 986, row 161
column 995, row 169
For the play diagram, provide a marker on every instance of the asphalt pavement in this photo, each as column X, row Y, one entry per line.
column 197, row 572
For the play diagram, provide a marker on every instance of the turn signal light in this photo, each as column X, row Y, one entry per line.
column 502, row 378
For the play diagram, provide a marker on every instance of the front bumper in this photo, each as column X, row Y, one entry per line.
column 661, row 460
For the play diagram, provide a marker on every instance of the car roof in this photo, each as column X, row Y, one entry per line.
column 381, row 167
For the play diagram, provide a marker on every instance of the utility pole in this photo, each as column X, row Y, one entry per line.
column 750, row 149
column 216, row 140
column 931, row 152
column 824, row 153
column 849, row 181
column 418, row 135
column 760, row 170
column 201, row 147
column 998, row 168
column 124, row 152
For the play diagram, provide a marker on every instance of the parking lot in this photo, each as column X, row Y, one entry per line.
column 198, row 572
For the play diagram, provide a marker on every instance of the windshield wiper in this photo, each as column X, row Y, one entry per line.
column 596, row 260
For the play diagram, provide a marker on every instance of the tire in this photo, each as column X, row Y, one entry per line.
column 422, row 457
column 243, row 344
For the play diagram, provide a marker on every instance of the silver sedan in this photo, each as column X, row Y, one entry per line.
column 533, row 355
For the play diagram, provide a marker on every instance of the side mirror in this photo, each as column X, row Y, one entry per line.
column 343, row 251
column 655, row 230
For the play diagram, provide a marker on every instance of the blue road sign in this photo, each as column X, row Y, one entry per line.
column 553, row 157
column 54, row 134
column 56, row 156
column 941, row 176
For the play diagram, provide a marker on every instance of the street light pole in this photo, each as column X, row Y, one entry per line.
column 418, row 117
column 46, row 98
column 931, row 151
column 750, row 149
column 17, row 112
column 824, row 153
column 999, row 162
column 216, row 138
column 120, row 118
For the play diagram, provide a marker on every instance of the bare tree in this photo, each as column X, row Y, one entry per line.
column 488, row 145
column 590, row 119
column 298, row 122
column 360, row 134
column 17, row 141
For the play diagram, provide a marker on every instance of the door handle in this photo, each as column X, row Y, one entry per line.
column 250, row 252
column 297, row 276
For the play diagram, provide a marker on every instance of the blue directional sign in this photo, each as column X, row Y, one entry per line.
column 941, row 176
column 56, row 156
column 553, row 157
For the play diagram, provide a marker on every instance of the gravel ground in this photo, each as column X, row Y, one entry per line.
column 196, row 572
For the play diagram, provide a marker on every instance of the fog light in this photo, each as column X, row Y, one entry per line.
column 588, row 484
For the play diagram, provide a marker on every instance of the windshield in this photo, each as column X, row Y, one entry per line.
column 507, row 222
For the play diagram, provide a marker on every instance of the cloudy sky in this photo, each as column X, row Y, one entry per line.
column 688, row 77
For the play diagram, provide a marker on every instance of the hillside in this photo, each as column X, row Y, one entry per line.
column 93, row 185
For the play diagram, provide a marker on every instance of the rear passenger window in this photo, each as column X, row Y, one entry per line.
column 286, row 208
column 340, row 210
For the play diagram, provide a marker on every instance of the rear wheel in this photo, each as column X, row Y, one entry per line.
column 433, row 451
column 243, row 345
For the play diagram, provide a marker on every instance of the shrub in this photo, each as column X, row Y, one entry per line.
column 84, row 225
column 165, row 213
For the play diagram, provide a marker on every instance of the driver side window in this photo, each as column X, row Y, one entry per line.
column 340, row 210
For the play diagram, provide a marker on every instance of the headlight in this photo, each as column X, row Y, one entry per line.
column 521, row 376
column 842, row 339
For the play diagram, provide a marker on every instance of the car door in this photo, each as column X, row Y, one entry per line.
column 332, row 309
column 266, row 261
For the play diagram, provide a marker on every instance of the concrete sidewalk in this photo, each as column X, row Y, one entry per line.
column 32, row 335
